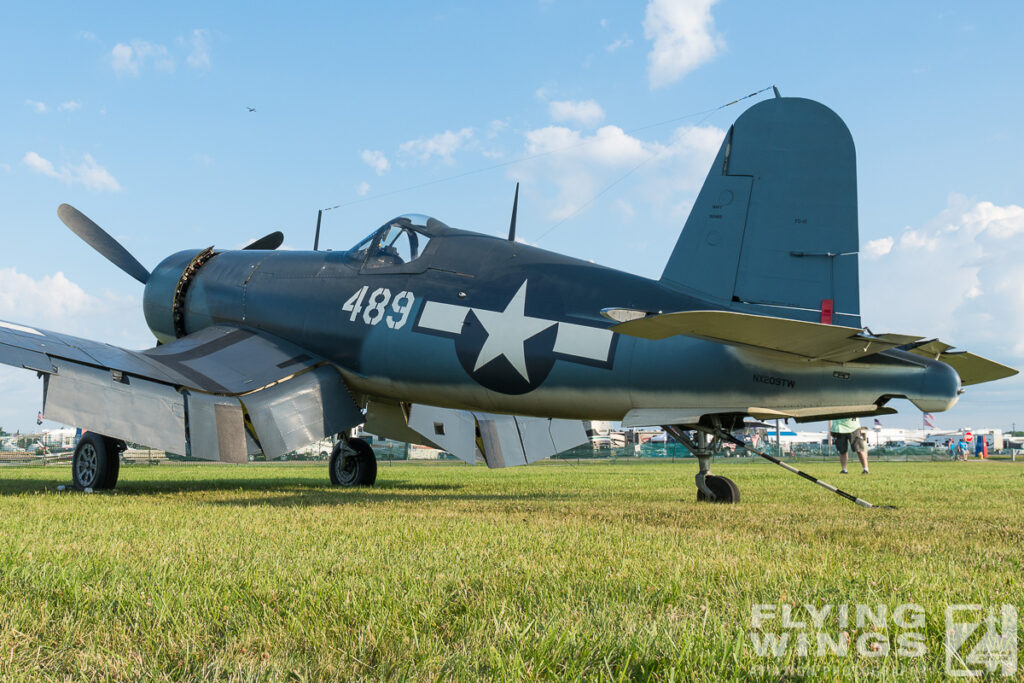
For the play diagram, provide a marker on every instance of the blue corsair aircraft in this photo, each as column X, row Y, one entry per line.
column 492, row 349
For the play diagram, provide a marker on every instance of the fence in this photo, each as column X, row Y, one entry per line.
column 803, row 452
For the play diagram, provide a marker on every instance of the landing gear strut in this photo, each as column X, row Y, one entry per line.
column 353, row 463
column 703, row 443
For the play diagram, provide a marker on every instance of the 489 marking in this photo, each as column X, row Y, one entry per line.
column 376, row 308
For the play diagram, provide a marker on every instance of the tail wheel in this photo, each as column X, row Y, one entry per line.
column 724, row 489
column 96, row 462
column 353, row 464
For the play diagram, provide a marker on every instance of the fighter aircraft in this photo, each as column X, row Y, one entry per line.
column 489, row 348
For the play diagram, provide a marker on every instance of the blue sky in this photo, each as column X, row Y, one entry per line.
column 136, row 114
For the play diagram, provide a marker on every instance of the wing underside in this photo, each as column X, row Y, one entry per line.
column 223, row 393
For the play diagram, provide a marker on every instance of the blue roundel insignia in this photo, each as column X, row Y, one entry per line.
column 509, row 351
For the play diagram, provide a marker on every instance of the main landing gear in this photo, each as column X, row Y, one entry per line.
column 96, row 462
column 704, row 442
column 353, row 463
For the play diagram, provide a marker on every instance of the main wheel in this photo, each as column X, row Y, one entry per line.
column 724, row 489
column 353, row 464
column 95, row 463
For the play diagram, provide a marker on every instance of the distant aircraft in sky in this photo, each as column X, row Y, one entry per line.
column 492, row 349
column 251, row 109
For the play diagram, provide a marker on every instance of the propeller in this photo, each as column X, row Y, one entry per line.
column 268, row 242
column 97, row 238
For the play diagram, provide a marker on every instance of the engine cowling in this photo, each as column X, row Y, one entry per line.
column 163, row 301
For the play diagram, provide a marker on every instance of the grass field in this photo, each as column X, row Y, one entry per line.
column 555, row 571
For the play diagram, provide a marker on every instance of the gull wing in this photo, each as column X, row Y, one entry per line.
column 222, row 393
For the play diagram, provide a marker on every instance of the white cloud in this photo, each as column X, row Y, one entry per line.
column 363, row 188
column 442, row 145
column 56, row 303
column 608, row 146
column 199, row 57
column 624, row 41
column 917, row 239
column 581, row 166
column 40, row 165
column 879, row 247
column 54, row 295
column 70, row 105
column 129, row 59
column 375, row 159
column 496, row 128
column 626, row 210
column 684, row 37
column 1001, row 222
column 94, row 176
column 960, row 277
column 123, row 60
column 88, row 173
column 586, row 112
column 87, row 35
column 37, row 107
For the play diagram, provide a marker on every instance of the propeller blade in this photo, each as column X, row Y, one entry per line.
column 268, row 242
column 97, row 238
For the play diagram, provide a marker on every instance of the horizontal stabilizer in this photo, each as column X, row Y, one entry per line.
column 812, row 341
column 972, row 369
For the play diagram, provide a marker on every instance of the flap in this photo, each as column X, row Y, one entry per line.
column 140, row 411
column 812, row 341
column 503, row 440
column 300, row 411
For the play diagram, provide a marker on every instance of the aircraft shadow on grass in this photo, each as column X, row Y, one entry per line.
column 299, row 491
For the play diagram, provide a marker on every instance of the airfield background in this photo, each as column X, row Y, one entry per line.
column 56, row 446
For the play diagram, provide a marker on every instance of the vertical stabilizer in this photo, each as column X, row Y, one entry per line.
column 774, row 228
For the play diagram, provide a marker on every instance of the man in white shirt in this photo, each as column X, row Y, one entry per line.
column 847, row 432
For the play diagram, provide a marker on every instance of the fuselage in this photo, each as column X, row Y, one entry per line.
column 482, row 323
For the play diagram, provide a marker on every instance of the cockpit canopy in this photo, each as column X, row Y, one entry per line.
column 397, row 242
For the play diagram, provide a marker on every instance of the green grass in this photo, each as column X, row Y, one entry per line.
column 555, row 571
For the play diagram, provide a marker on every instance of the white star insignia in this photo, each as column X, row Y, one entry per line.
column 507, row 332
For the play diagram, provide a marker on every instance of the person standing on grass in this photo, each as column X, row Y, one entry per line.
column 847, row 433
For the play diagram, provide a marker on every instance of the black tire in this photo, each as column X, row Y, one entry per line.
column 115, row 448
column 95, row 464
column 353, row 464
column 724, row 489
